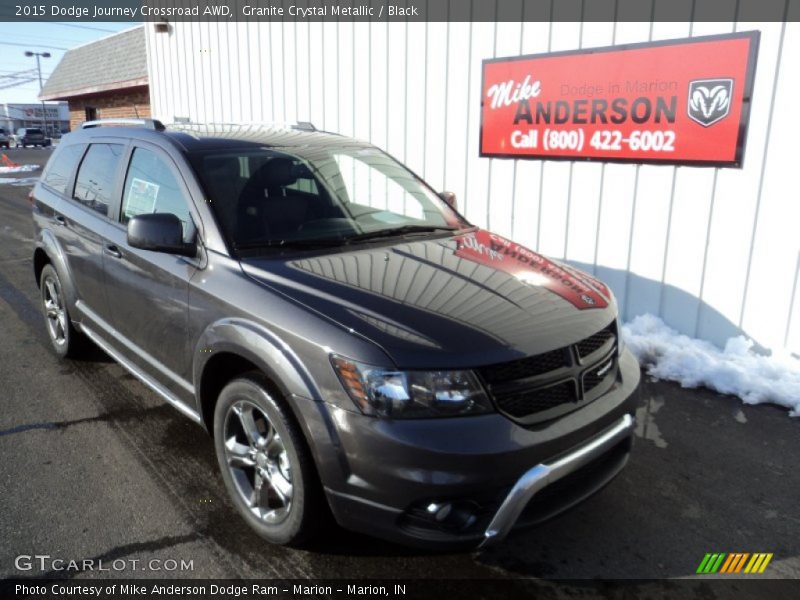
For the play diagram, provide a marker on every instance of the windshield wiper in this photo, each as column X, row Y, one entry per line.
column 338, row 241
column 396, row 231
column 309, row 243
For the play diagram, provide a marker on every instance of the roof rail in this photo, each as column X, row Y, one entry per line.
column 304, row 126
column 153, row 124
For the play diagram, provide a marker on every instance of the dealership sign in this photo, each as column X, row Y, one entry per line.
column 678, row 102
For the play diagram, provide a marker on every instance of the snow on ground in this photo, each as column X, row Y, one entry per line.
column 18, row 169
column 19, row 181
column 736, row 370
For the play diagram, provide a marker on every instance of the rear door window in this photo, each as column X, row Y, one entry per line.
column 152, row 187
column 60, row 169
column 97, row 176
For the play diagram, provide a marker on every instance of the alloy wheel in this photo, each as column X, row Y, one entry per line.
column 258, row 462
column 54, row 309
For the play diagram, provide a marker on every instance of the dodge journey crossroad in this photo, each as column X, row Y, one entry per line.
column 355, row 347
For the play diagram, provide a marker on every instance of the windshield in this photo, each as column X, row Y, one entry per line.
column 302, row 197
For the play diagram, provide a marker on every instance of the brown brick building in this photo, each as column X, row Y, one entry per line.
column 103, row 79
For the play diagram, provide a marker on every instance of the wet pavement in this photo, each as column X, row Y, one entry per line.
column 94, row 466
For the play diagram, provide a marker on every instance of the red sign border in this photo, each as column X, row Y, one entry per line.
column 744, row 121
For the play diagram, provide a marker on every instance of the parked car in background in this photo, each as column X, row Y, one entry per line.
column 5, row 139
column 351, row 342
column 31, row 136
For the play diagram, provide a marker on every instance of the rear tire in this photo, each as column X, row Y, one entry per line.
column 67, row 342
column 266, row 464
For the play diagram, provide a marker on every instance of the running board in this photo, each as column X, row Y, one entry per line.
column 142, row 376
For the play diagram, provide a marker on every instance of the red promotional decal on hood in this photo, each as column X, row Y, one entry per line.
column 592, row 281
column 529, row 267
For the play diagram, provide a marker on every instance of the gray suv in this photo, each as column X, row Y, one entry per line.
column 355, row 347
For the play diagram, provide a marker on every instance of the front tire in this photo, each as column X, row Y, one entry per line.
column 265, row 462
column 66, row 341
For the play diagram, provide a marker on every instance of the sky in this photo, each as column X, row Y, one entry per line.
column 55, row 38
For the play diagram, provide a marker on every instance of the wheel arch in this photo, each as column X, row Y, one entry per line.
column 48, row 251
column 40, row 259
column 231, row 347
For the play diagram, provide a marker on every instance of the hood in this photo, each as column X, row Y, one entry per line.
column 463, row 301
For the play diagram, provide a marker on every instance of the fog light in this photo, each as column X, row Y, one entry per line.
column 439, row 511
column 453, row 516
column 462, row 516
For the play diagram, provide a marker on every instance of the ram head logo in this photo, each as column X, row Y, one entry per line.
column 709, row 100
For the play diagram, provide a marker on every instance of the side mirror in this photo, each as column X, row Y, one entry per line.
column 159, row 232
column 450, row 199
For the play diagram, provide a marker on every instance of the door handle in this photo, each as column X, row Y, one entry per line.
column 112, row 250
column 60, row 220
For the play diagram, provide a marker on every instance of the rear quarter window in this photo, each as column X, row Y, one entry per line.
column 60, row 168
column 97, row 176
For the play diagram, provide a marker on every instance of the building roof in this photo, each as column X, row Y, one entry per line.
column 116, row 62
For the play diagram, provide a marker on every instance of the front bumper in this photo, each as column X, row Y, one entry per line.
column 395, row 475
column 545, row 474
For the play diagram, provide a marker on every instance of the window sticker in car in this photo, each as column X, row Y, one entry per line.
column 142, row 197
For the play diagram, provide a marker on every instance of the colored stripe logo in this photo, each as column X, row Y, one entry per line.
column 735, row 562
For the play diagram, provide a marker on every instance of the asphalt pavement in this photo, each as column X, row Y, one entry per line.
column 93, row 465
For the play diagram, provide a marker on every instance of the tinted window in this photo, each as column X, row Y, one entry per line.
column 151, row 187
column 95, row 182
column 62, row 165
column 33, row 131
column 272, row 198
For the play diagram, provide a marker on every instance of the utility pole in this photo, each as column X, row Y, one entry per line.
column 41, row 85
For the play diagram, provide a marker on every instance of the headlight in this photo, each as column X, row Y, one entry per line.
column 411, row 394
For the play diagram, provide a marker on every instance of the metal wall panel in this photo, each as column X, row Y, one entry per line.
column 714, row 252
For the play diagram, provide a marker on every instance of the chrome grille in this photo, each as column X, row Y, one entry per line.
column 532, row 389
column 597, row 374
column 528, row 402
column 526, row 367
column 594, row 342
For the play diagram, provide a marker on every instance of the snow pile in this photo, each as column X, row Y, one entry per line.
column 736, row 370
column 18, row 169
column 19, row 181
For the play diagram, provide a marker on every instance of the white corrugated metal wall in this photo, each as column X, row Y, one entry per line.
column 711, row 251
